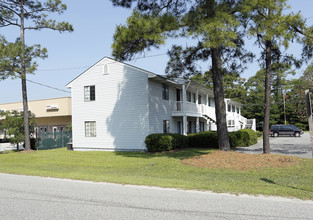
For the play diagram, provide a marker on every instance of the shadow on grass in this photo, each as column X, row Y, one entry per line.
column 292, row 187
column 49, row 148
column 179, row 154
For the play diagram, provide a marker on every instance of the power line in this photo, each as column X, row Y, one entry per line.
column 84, row 67
column 50, row 87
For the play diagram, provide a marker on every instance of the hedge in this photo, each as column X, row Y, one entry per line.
column 208, row 139
column 165, row 142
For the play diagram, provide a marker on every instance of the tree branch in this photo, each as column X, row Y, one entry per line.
column 10, row 9
column 9, row 23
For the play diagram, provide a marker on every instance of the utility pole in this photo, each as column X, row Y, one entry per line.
column 284, row 95
column 309, row 110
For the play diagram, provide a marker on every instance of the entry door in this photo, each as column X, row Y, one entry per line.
column 179, row 130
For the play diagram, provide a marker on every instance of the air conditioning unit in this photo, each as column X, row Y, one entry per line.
column 52, row 107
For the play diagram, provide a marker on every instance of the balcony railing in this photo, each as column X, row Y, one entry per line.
column 193, row 108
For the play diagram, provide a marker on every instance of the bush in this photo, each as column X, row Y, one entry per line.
column 180, row 141
column 33, row 144
column 259, row 134
column 165, row 142
column 245, row 137
column 207, row 139
column 48, row 142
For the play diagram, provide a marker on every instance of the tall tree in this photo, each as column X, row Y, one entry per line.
column 212, row 25
column 274, row 29
column 30, row 15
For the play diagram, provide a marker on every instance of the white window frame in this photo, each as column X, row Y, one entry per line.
column 90, row 129
column 166, row 126
column 87, row 93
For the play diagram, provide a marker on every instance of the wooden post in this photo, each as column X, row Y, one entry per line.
column 309, row 110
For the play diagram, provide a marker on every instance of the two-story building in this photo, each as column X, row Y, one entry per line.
column 116, row 105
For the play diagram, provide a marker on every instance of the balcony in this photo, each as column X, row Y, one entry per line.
column 192, row 109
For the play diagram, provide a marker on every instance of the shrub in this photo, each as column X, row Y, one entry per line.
column 180, row 141
column 207, row 139
column 33, row 144
column 165, row 142
column 245, row 137
column 159, row 142
column 259, row 134
column 48, row 142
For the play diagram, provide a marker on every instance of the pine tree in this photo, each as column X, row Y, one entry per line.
column 213, row 23
column 16, row 13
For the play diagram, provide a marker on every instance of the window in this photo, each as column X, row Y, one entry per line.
column 90, row 93
column 237, row 110
column 106, row 69
column 90, row 129
column 199, row 99
column 188, row 96
column 228, row 107
column 231, row 123
column 194, row 98
column 233, row 108
column 209, row 101
column 165, row 92
column 166, row 126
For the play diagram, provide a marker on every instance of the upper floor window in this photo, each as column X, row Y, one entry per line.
column 188, row 94
column 237, row 110
column 229, row 108
column 209, row 101
column 90, row 93
column 165, row 92
column 199, row 99
column 233, row 109
column 194, row 98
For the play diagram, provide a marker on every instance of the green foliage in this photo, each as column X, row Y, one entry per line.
column 48, row 142
column 208, row 139
column 165, row 142
column 259, row 134
column 34, row 144
column 13, row 124
column 10, row 58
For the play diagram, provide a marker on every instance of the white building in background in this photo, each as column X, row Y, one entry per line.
column 116, row 105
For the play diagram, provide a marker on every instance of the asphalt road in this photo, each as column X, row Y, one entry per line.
column 294, row 146
column 27, row 197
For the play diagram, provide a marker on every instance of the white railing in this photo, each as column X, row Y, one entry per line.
column 193, row 108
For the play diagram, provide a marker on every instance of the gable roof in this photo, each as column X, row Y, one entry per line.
column 150, row 74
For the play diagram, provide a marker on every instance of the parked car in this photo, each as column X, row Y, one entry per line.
column 291, row 130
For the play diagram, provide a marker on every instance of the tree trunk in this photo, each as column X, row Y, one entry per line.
column 23, row 78
column 267, row 108
column 220, row 110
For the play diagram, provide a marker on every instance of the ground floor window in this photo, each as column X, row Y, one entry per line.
column 231, row 123
column 179, row 127
column 166, row 126
column 90, row 129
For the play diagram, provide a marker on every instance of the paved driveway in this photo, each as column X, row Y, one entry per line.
column 294, row 146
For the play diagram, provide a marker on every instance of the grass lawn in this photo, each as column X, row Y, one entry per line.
column 161, row 169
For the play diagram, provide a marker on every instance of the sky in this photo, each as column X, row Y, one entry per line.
column 70, row 54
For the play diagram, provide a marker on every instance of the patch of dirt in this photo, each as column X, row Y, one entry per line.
column 240, row 161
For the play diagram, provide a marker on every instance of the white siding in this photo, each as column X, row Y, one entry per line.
column 160, row 109
column 120, row 110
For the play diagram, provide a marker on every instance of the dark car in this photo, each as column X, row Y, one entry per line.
column 291, row 130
